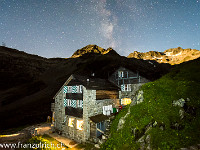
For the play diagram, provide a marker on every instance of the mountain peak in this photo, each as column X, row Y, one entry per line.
column 91, row 49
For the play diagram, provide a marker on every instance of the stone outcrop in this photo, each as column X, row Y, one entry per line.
column 122, row 120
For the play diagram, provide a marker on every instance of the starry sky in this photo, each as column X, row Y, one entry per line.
column 57, row 28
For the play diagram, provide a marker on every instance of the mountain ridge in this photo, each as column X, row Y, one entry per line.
column 171, row 56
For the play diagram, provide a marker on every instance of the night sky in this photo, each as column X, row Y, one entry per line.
column 57, row 28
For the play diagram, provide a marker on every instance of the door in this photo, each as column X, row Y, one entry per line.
column 101, row 127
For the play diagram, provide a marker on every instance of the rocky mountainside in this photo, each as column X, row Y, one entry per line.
column 92, row 49
column 171, row 56
column 29, row 82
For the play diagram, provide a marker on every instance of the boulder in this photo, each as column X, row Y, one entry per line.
column 140, row 97
column 97, row 145
column 179, row 102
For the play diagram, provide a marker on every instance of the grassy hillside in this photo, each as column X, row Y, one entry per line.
column 158, row 120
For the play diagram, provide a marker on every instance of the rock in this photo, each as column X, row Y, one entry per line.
column 161, row 127
column 97, row 145
column 148, row 139
column 193, row 147
column 149, row 128
column 181, row 113
column 104, row 137
column 149, row 147
column 198, row 145
column 184, row 149
column 133, row 131
column 155, row 123
column 122, row 120
column 179, row 102
column 141, row 140
column 101, row 142
column 140, row 97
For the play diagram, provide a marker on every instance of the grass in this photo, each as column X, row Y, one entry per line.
column 182, row 82
column 85, row 146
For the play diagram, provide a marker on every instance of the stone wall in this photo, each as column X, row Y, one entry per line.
column 59, row 111
column 61, row 120
column 72, row 132
column 91, row 107
column 130, row 94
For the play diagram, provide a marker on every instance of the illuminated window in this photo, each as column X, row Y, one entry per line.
column 71, row 122
column 125, row 101
column 80, row 124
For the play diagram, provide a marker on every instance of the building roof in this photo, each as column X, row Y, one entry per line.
column 93, row 83
column 99, row 118
column 90, row 82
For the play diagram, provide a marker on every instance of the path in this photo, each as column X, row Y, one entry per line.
column 42, row 129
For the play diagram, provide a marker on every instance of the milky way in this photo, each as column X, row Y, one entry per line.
column 57, row 28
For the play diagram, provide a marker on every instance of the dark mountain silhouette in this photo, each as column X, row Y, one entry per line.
column 29, row 82
column 171, row 56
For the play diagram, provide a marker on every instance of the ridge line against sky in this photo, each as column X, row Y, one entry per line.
column 52, row 28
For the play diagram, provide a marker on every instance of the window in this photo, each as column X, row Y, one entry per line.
column 73, row 89
column 125, row 101
column 120, row 74
column 126, row 87
column 71, row 122
column 69, row 102
column 80, row 124
column 73, row 103
column 69, row 89
column 80, row 103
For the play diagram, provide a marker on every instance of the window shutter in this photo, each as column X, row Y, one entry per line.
column 73, row 103
column 65, row 89
column 65, row 102
column 123, row 87
column 74, row 89
column 69, row 89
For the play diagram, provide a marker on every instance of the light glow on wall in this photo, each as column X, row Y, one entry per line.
column 71, row 122
column 80, row 124
column 125, row 101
